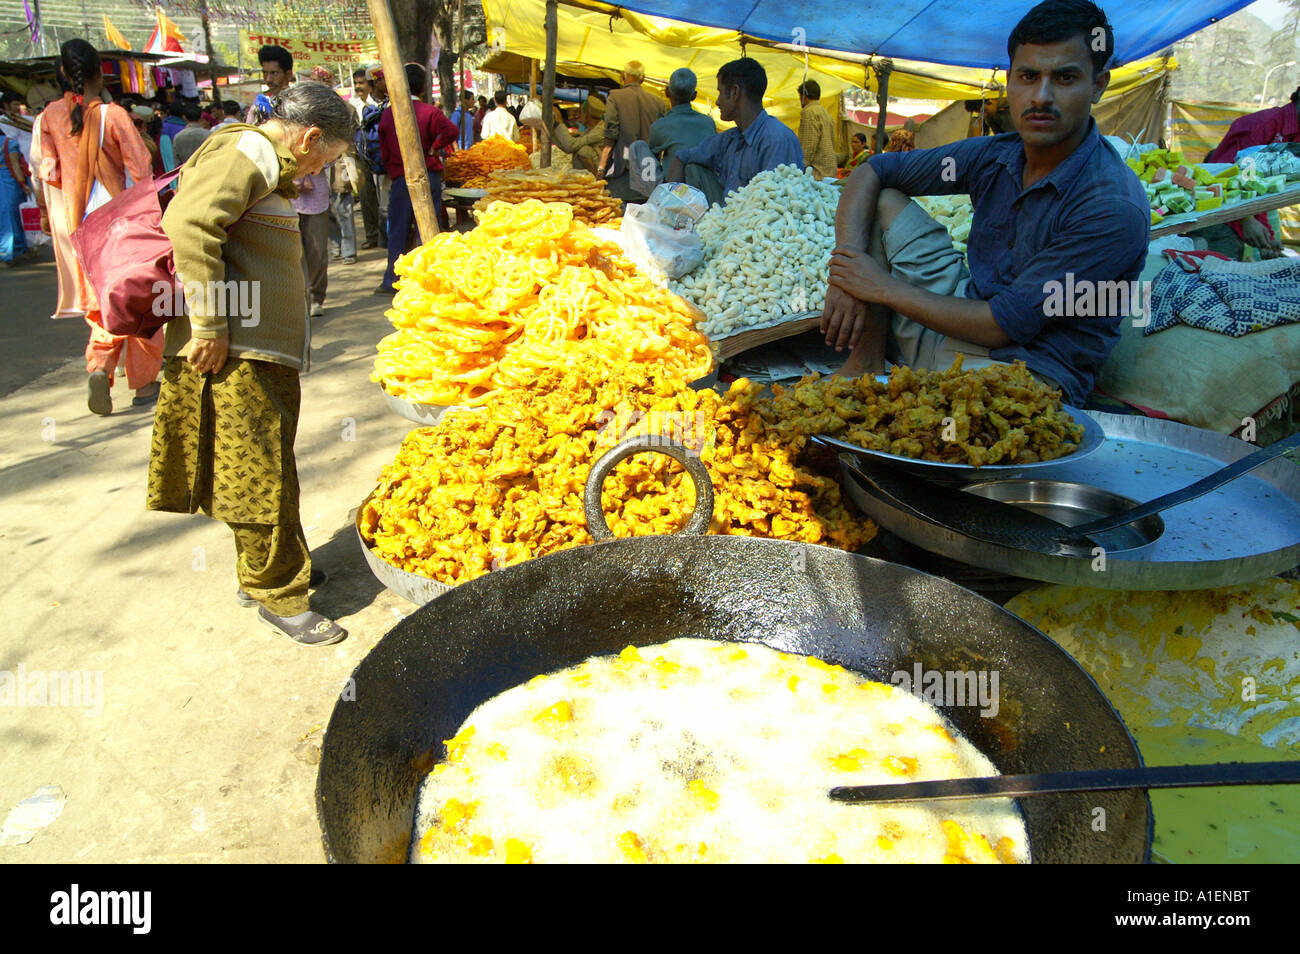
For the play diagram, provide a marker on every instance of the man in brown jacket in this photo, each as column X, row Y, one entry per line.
column 629, row 113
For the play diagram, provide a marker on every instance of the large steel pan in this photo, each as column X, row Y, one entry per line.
column 424, row 677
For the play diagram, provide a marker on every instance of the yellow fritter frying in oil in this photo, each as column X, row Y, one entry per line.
column 488, row 489
column 994, row 415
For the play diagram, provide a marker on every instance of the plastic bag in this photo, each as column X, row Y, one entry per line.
column 644, row 171
column 1274, row 159
column 531, row 112
column 31, row 215
column 680, row 206
column 654, row 243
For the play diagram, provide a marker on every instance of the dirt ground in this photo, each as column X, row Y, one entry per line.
column 202, row 743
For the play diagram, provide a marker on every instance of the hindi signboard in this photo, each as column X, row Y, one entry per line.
column 309, row 51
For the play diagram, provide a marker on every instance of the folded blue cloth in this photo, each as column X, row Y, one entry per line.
column 1231, row 298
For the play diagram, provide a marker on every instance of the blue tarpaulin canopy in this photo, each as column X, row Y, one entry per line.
column 954, row 32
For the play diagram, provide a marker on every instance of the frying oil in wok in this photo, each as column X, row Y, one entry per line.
column 702, row 751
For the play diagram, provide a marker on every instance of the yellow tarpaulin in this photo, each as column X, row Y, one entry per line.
column 600, row 39
column 1199, row 127
column 594, row 40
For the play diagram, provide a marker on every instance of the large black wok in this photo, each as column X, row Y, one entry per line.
column 425, row 676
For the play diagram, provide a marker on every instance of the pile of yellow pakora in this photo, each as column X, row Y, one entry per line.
column 994, row 415
column 485, row 490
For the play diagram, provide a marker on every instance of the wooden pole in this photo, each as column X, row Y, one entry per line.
column 408, row 136
column 548, row 78
column 1162, row 103
column 882, row 97
column 460, row 46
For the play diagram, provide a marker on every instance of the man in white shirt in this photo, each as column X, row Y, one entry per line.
column 367, row 190
column 499, row 122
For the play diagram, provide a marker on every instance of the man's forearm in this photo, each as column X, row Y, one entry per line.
column 605, row 154
column 675, row 171
column 966, row 318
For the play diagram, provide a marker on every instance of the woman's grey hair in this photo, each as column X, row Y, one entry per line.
column 682, row 85
column 310, row 103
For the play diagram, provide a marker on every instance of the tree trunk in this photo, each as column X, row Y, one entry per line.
column 414, row 22
column 445, row 23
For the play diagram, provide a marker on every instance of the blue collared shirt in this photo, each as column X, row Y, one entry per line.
column 1085, row 223
column 737, row 155
column 463, row 120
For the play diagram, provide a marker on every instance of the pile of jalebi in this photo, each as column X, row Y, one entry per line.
column 470, row 167
column 489, row 489
column 530, row 288
column 582, row 190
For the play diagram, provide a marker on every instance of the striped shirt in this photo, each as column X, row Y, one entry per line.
column 817, row 136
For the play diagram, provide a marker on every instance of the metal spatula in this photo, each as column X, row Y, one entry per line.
column 1192, row 491
column 1091, row 780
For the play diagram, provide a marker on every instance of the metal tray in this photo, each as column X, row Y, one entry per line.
column 1093, row 437
column 423, row 414
column 1072, row 505
column 409, row 586
column 1245, row 531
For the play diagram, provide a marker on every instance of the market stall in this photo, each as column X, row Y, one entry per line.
column 566, row 371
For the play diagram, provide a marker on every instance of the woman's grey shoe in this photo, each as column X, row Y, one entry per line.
column 312, row 629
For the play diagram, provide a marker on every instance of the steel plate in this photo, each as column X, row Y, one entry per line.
column 1245, row 531
column 1073, row 505
column 423, row 414
column 409, row 586
column 1093, row 437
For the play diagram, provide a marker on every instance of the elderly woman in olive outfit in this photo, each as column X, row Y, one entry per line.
column 228, row 412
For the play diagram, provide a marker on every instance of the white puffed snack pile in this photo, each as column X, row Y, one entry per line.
column 766, row 252
column 954, row 212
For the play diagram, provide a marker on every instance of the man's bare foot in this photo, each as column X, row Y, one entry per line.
column 857, row 365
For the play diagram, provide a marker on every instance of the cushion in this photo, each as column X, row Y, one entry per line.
column 1200, row 377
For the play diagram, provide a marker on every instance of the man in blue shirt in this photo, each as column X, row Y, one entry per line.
column 1059, row 237
column 463, row 119
column 725, row 162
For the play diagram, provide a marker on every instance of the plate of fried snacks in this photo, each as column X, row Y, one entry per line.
column 592, row 203
column 471, row 167
column 944, row 424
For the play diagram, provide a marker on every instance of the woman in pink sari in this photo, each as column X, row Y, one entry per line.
column 85, row 151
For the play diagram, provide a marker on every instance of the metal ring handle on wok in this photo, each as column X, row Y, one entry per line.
column 701, row 516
